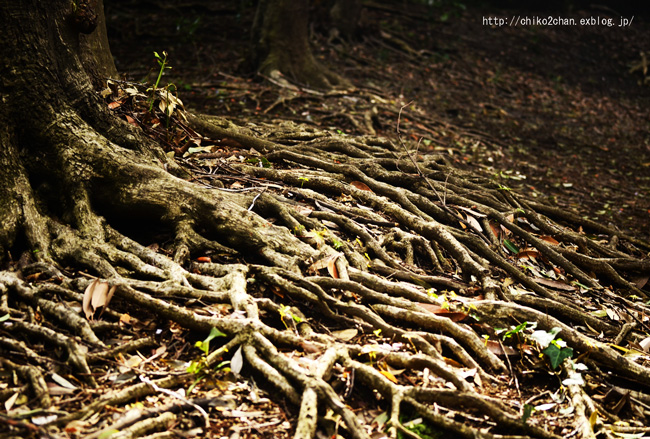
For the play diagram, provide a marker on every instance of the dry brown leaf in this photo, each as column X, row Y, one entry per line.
column 528, row 253
column 474, row 223
column 499, row 349
column 97, row 295
column 452, row 362
column 550, row 240
column 345, row 334
column 454, row 316
column 496, row 231
column 331, row 267
column 131, row 120
column 322, row 263
column 641, row 281
column 554, row 284
column 361, row 186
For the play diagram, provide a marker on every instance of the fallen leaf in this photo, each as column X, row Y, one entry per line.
column 97, row 295
column 345, row 334
column 237, row 361
column 510, row 246
column 528, row 253
column 645, row 344
column 499, row 349
column 496, row 231
column 361, row 186
column 474, row 223
column 452, row 362
column 62, row 381
column 640, row 281
column 132, row 121
column 9, row 403
column 388, row 375
column 550, row 240
column 454, row 316
column 331, row 268
column 554, row 284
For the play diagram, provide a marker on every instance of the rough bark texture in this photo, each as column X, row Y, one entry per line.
column 281, row 45
column 332, row 275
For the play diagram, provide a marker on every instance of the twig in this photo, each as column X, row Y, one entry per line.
column 173, row 394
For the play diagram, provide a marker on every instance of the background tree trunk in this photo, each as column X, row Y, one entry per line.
column 345, row 16
column 281, row 45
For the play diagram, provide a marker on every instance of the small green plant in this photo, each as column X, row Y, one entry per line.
column 262, row 162
column 197, row 367
column 527, row 412
column 302, row 181
column 515, row 330
column 162, row 62
column 336, row 243
column 285, row 312
column 205, row 344
column 419, row 427
column 553, row 347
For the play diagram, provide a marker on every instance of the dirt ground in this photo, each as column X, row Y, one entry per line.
column 553, row 110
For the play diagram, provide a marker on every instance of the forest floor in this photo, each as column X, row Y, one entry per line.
column 553, row 111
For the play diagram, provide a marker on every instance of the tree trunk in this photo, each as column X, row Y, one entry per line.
column 281, row 45
column 345, row 16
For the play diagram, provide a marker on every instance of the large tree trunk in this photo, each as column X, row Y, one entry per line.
column 81, row 157
column 80, row 191
column 281, row 45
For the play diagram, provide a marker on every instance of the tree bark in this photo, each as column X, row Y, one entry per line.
column 281, row 45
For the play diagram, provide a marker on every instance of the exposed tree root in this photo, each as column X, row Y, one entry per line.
column 352, row 279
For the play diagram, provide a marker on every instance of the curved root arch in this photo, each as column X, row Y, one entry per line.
column 351, row 277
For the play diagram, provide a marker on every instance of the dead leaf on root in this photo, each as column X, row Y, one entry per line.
column 345, row 334
column 554, row 284
column 337, row 271
column 361, row 186
column 454, row 316
column 97, row 295
column 550, row 240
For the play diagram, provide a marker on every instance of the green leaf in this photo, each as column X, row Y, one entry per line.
column 556, row 355
column 205, row 344
column 511, row 246
column 194, row 367
column 528, row 410
column 381, row 419
column 4, row 318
